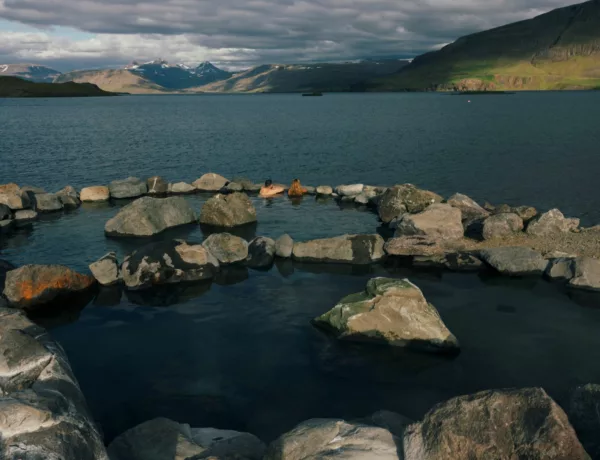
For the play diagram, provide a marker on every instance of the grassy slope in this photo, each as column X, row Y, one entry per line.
column 557, row 50
column 17, row 87
column 119, row 80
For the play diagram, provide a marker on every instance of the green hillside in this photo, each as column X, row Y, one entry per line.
column 557, row 50
column 17, row 87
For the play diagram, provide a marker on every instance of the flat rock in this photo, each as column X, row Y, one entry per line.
column 551, row 223
column 12, row 196
column 261, row 252
column 227, row 248
column 284, row 246
column 583, row 413
column 417, row 245
column 181, row 188
column 25, row 215
column 149, row 216
column 392, row 312
column 349, row 190
column 310, row 190
column 95, row 193
column 501, row 226
column 439, row 221
column 156, row 185
column 514, row 261
column 132, row 187
column 106, row 269
column 228, row 211
column 32, row 286
column 405, row 198
column 47, row 202
column 502, row 424
column 469, row 208
column 586, row 274
column 210, row 182
column 349, row 249
column 324, row 190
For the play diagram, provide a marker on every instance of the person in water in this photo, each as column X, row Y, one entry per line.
column 269, row 189
column 296, row 190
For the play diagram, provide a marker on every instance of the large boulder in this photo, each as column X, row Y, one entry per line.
column 12, row 196
column 164, row 439
column 149, row 216
column 106, row 269
column 168, row 262
column 392, row 312
column 404, row 198
column 261, row 252
column 157, row 185
column 349, row 190
column 47, row 202
column 584, row 410
column 95, row 193
column 439, row 221
column 132, row 187
column 284, row 246
column 227, row 248
column 335, row 439
column 44, row 414
column 502, row 226
column 417, row 245
column 228, row 211
column 469, row 208
column 182, row 188
column 514, row 261
column 551, row 223
column 32, row 286
column 586, row 274
column 349, row 249
column 503, row 424
column 210, row 182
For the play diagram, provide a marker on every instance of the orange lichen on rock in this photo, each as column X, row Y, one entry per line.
column 30, row 289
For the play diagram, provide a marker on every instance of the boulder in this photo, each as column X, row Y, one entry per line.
column 365, row 196
column 13, row 197
column 562, row 268
column 68, row 197
column 5, row 212
column 164, row 439
column 210, row 182
column 470, row 210
column 514, row 261
column 168, row 262
column 335, row 439
column 47, row 202
column 583, row 413
column 462, row 262
column 33, row 286
column 502, row 226
column 246, row 184
column 324, row 190
column 502, row 209
column 586, row 274
column 284, row 246
column 106, row 269
column 551, row 223
column 227, row 248
column 132, row 187
column 44, row 414
column 417, row 245
column 349, row 190
column 156, row 185
column 25, row 215
column 525, row 212
column 392, row 312
column 349, row 249
column 95, row 193
column 502, row 424
column 182, row 188
column 228, row 211
column 439, row 221
column 310, row 190
column 232, row 187
column 261, row 252
column 149, row 216
column 402, row 198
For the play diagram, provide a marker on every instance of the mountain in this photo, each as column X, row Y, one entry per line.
column 18, row 87
column 115, row 80
column 33, row 72
column 557, row 50
column 179, row 76
column 209, row 73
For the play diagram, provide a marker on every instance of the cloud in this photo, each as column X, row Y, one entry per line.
column 238, row 33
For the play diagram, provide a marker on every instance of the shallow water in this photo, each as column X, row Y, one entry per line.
column 241, row 353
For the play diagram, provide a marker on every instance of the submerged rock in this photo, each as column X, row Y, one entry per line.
column 551, row 223
column 393, row 312
column 149, row 216
column 106, row 269
column 502, row 226
column 438, row 221
column 48, row 202
column 210, row 182
column 405, row 198
column 583, row 413
column 515, row 261
column 261, row 252
column 324, row 190
column 132, row 187
column 501, row 424
column 181, row 188
column 228, row 211
column 350, row 249
column 69, row 198
column 95, row 193
column 284, row 246
column 156, row 185
column 469, row 208
column 13, row 197
column 349, row 190
column 32, row 286
column 227, row 248
column 586, row 274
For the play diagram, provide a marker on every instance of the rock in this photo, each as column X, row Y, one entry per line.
column 168, row 262
column 5, row 212
column 349, row 190
column 228, row 211
column 162, row 438
column 392, row 312
column 310, row 190
column 559, row 255
column 6, row 225
column 227, row 248
column 583, row 413
column 439, row 221
column 324, row 190
column 365, row 196
column 69, row 198
column 261, row 252
column 44, row 415
column 561, row 269
column 156, row 185
column 149, row 216
column 47, row 202
column 502, row 424
column 246, row 184
column 470, row 210
column 32, row 286
column 12, row 196
column 106, row 269
column 402, row 198
column 417, row 245
column 502, row 226
column 233, row 187
column 132, row 187
column 181, row 188
column 335, row 439
column 350, row 249
column 502, row 209
column 463, row 262
column 586, row 274
column 525, row 212
column 25, row 215
column 514, row 261
column 284, row 246
column 210, row 183
column 431, row 261
column 32, row 189
column 551, row 223
column 95, row 193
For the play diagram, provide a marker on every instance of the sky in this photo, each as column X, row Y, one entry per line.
column 236, row 34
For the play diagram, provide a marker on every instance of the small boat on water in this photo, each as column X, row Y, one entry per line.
column 314, row 93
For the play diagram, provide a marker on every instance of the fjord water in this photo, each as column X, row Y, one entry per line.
column 240, row 353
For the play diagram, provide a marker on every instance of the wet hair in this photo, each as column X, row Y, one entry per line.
column 268, row 183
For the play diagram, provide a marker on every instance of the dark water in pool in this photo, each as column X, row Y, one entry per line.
column 240, row 353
